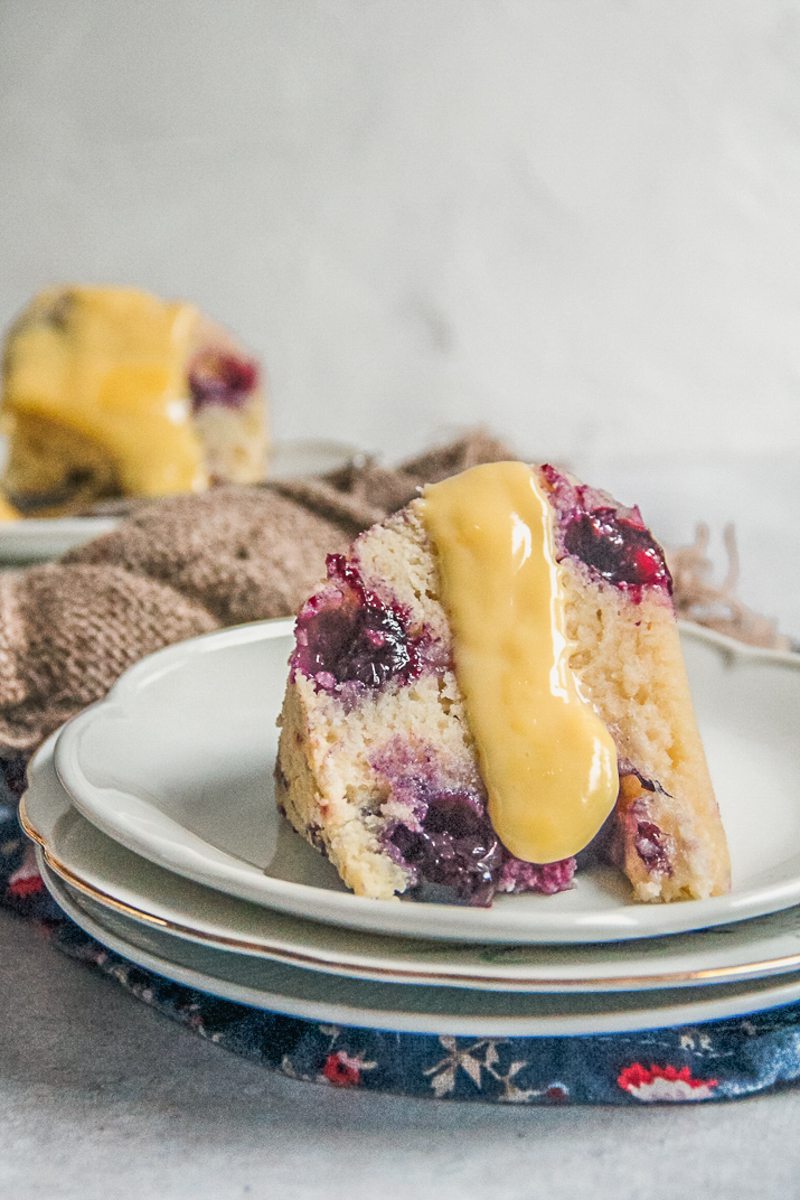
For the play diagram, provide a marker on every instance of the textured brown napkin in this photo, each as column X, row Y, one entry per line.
column 185, row 566
column 182, row 567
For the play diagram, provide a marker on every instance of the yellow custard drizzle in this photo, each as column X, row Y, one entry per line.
column 111, row 368
column 548, row 762
column 7, row 511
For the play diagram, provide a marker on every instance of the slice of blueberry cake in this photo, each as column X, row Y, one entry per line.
column 488, row 684
column 115, row 392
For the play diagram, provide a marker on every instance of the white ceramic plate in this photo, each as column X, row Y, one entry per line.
column 118, row 880
column 444, row 1011
column 38, row 539
column 176, row 764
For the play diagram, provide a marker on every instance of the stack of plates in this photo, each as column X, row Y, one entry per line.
column 158, row 834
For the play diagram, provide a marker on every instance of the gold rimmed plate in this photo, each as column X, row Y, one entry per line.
column 336, row 999
column 177, row 764
column 117, row 881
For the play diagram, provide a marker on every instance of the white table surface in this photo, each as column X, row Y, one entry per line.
column 576, row 220
column 101, row 1097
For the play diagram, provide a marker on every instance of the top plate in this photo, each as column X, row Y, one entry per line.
column 38, row 539
column 176, row 764
column 105, row 874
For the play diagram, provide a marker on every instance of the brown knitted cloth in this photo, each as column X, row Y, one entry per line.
column 181, row 567
column 188, row 565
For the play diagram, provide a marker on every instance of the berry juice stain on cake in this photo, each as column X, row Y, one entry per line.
column 489, row 684
column 438, row 830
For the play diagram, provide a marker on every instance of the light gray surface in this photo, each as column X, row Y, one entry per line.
column 102, row 1098
column 576, row 220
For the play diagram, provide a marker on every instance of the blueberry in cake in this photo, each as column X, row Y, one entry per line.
column 490, row 682
column 115, row 392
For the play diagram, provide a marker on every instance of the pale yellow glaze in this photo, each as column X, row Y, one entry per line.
column 7, row 511
column 109, row 364
column 547, row 760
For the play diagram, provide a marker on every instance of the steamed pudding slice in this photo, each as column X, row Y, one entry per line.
column 115, row 392
column 490, row 682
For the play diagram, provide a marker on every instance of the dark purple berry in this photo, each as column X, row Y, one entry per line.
column 346, row 634
column 455, row 856
column 611, row 540
column 224, row 379
column 616, row 548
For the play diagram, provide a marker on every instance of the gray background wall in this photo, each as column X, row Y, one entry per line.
column 576, row 220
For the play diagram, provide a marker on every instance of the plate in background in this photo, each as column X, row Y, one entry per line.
column 38, row 539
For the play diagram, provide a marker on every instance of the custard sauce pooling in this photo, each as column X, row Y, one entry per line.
column 548, row 762
column 111, row 367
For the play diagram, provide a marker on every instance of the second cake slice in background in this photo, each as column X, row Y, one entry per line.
column 114, row 392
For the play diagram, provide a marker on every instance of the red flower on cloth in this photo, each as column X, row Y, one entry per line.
column 26, row 880
column 664, row 1083
column 30, row 886
column 343, row 1069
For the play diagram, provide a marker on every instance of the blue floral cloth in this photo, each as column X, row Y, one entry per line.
column 723, row 1060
